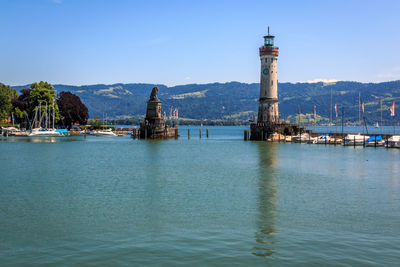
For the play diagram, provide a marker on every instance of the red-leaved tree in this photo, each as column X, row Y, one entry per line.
column 72, row 110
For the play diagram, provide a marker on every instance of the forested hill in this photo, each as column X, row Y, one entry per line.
column 236, row 100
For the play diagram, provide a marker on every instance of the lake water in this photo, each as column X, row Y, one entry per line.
column 216, row 201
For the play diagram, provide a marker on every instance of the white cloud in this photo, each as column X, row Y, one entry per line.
column 319, row 80
column 393, row 74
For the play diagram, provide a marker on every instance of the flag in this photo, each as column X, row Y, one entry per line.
column 362, row 105
column 336, row 110
column 392, row 110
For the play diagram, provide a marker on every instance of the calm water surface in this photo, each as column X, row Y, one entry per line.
column 217, row 201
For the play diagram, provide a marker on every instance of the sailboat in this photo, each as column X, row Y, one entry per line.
column 45, row 131
column 376, row 125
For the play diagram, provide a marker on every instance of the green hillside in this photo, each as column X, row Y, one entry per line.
column 238, row 101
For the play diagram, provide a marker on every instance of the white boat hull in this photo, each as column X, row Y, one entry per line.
column 44, row 133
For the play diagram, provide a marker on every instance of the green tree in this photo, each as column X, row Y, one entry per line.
column 42, row 93
column 6, row 95
column 96, row 123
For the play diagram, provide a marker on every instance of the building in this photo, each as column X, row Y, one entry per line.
column 268, row 123
column 268, row 111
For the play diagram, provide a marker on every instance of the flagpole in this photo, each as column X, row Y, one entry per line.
column 394, row 125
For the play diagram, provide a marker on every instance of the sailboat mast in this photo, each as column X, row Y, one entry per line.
column 330, row 118
column 315, row 115
column 381, row 113
column 53, row 113
column 45, row 124
column 40, row 114
column 359, row 111
column 299, row 120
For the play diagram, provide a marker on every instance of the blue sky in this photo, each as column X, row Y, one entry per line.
column 179, row 42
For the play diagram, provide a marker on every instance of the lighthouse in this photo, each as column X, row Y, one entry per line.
column 268, row 112
column 268, row 127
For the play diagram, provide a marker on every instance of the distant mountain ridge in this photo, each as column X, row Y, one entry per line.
column 235, row 100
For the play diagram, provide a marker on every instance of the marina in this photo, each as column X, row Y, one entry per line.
column 212, row 200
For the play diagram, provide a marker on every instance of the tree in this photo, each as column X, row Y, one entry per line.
column 72, row 109
column 21, row 104
column 43, row 93
column 6, row 95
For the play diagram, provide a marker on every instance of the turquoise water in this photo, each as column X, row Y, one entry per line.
column 216, row 201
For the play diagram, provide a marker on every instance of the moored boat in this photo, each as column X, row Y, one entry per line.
column 303, row 138
column 394, row 141
column 106, row 132
column 354, row 140
column 375, row 141
column 322, row 139
column 43, row 132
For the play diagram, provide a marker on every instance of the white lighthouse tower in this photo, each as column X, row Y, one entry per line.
column 268, row 111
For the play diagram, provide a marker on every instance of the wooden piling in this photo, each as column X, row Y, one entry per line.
column 245, row 135
column 364, row 141
column 188, row 133
column 207, row 132
column 200, row 133
column 375, row 142
column 354, row 140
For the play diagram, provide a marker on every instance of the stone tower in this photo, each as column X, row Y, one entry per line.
column 268, row 111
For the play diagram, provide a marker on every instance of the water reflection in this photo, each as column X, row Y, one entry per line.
column 41, row 139
column 265, row 236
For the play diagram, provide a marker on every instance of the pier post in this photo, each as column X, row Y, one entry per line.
column 335, row 139
column 262, row 135
column 364, row 141
column 300, row 135
column 325, row 140
column 309, row 139
column 200, row 133
column 245, row 135
column 207, row 132
column 354, row 141
column 375, row 142
column 188, row 133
